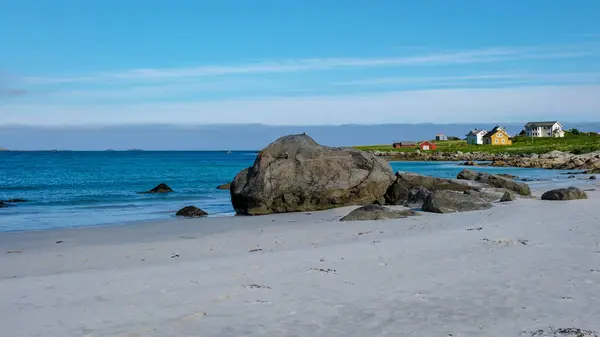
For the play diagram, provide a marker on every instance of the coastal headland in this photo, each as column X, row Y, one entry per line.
column 573, row 152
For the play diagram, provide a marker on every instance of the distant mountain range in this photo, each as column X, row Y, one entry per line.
column 230, row 137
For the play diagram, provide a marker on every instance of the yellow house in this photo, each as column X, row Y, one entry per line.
column 497, row 136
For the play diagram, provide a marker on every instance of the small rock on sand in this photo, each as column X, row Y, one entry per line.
column 571, row 193
column 507, row 196
column 191, row 212
column 377, row 212
column 451, row 201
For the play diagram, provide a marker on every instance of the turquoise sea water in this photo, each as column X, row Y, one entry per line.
column 75, row 189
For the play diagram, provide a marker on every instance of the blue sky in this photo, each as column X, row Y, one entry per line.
column 298, row 62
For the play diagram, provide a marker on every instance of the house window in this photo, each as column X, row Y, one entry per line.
column 499, row 135
column 503, row 141
column 496, row 141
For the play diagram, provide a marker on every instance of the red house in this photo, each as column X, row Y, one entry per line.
column 427, row 146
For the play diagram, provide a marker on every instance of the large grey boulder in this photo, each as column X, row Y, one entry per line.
column 295, row 174
column 400, row 191
column 451, row 201
column 377, row 212
column 571, row 193
column 495, row 181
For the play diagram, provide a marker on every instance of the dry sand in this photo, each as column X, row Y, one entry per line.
column 517, row 267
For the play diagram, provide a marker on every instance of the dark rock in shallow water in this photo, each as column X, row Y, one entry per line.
column 15, row 200
column 224, row 186
column 400, row 191
column 507, row 196
column 2, row 204
column 571, row 193
column 451, row 201
column 530, row 179
column 191, row 212
column 295, row 174
column 592, row 177
column 160, row 188
column 377, row 212
column 495, row 181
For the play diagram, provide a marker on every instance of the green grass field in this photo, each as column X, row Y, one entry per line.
column 570, row 143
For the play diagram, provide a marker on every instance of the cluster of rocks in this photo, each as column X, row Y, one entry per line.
column 590, row 162
column 187, row 211
column 295, row 174
column 551, row 160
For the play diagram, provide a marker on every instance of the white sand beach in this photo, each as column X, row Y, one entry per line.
column 507, row 271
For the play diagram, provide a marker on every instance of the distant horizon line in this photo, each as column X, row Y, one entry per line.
column 129, row 150
column 280, row 125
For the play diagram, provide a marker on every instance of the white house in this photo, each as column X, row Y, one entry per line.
column 441, row 136
column 475, row 137
column 544, row 129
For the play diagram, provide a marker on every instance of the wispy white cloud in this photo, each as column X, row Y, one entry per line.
column 230, row 88
column 442, row 105
column 315, row 64
column 562, row 78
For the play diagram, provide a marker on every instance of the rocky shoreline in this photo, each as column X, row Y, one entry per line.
column 589, row 162
column 295, row 174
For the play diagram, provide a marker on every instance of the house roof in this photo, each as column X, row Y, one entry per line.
column 440, row 134
column 475, row 132
column 494, row 131
column 534, row 124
